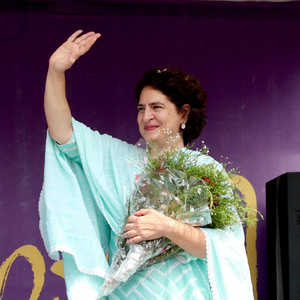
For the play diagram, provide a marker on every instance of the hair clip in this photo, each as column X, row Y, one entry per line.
column 160, row 71
column 187, row 77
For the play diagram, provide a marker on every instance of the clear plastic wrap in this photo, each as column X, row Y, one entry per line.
column 171, row 192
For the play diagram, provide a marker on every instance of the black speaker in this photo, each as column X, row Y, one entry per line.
column 283, row 237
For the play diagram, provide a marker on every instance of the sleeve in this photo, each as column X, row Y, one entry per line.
column 226, row 260
column 70, row 149
column 106, row 163
column 227, row 264
column 82, row 203
column 70, row 220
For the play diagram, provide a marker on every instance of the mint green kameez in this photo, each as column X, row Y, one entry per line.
column 82, row 207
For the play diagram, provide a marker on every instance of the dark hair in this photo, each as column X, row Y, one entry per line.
column 181, row 88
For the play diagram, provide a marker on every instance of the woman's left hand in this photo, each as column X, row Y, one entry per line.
column 145, row 225
column 149, row 224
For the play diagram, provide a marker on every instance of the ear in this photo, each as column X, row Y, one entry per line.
column 185, row 111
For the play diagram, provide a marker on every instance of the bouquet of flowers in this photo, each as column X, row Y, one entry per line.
column 176, row 185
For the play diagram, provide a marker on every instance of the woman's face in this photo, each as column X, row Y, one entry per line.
column 158, row 119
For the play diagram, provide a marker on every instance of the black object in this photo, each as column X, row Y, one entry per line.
column 283, row 237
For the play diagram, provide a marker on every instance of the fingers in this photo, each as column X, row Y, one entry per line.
column 79, row 45
column 132, row 219
column 132, row 237
column 66, row 55
column 142, row 212
column 86, row 38
column 131, row 230
column 144, row 225
column 128, row 227
column 129, row 234
column 73, row 37
column 83, row 43
column 83, row 38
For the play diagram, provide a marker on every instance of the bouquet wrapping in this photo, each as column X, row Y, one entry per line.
column 172, row 193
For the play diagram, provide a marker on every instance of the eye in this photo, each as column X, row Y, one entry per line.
column 157, row 107
column 140, row 108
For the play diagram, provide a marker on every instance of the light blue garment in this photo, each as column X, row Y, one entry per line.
column 82, row 208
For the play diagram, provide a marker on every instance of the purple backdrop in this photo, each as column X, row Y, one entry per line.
column 246, row 55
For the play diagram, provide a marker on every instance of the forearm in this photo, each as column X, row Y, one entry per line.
column 189, row 238
column 56, row 106
column 149, row 224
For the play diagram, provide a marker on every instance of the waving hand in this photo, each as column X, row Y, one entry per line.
column 75, row 46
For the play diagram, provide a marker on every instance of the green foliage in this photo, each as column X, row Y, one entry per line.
column 227, row 204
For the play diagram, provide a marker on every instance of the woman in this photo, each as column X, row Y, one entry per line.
column 86, row 178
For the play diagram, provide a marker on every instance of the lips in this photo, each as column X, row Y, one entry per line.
column 150, row 127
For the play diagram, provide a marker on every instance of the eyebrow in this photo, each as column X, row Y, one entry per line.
column 151, row 104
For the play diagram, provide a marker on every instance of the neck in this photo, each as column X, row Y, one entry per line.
column 160, row 149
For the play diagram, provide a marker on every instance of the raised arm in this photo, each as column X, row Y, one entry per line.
column 56, row 106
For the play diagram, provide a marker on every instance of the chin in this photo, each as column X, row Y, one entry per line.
column 150, row 141
column 150, row 137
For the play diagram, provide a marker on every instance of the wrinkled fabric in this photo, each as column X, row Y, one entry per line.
column 82, row 207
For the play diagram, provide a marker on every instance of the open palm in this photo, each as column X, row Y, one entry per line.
column 66, row 55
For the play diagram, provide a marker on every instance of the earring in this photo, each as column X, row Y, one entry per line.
column 183, row 126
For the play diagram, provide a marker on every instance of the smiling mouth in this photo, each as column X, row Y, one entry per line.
column 150, row 127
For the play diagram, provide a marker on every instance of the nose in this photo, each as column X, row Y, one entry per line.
column 147, row 115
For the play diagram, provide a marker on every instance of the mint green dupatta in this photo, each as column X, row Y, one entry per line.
column 82, row 205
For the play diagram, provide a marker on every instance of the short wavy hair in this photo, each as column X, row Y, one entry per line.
column 181, row 88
